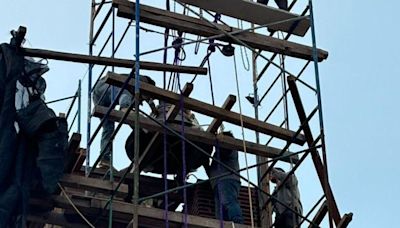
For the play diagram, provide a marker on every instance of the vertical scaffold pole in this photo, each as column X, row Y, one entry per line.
column 79, row 105
column 136, row 173
column 321, row 120
column 110, row 211
column 89, row 92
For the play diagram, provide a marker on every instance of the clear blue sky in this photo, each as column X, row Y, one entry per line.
column 359, row 89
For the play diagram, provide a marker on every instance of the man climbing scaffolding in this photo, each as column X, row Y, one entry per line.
column 102, row 95
column 288, row 194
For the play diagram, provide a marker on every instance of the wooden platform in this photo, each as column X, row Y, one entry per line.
column 255, row 13
column 199, row 27
column 122, row 212
column 196, row 135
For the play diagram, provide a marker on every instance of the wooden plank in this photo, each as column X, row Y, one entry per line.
column 320, row 215
column 195, row 134
column 79, row 58
column 332, row 206
column 72, row 152
column 93, row 184
column 124, row 210
column 255, row 13
column 79, row 161
column 163, row 18
column 209, row 110
column 216, row 123
column 53, row 218
column 345, row 220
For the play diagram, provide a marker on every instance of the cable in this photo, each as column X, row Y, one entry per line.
column 244, row 142
column 245, row 66
column 75, row 208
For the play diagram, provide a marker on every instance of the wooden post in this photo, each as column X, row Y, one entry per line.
column 332, row 206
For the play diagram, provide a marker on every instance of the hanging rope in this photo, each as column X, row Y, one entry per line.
column 197, row 46
column 244, row 142
column 243, row 53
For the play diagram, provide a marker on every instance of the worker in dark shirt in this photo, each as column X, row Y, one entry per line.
column 289, row 195
column 282, row 4
column 226, row 189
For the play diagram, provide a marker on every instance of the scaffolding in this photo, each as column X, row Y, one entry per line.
column 93, row 201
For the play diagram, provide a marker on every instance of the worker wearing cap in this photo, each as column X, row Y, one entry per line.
column 289, row 195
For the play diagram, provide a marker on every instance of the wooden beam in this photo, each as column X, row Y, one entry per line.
column 216, row 123
column 54, row 219
column 124, row 210
column 255, row 13
column 72, row 152
column 79, row 161
column 79, row 58
column 332, row 206
column 345, row 221
column 320, row 215
column 209, row 110
column 195, row 135
column 93, row 184
column 163, row 18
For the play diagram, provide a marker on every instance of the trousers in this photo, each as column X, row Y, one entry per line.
column 226, row 194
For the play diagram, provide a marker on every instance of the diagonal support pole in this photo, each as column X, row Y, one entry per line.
column 332, row 206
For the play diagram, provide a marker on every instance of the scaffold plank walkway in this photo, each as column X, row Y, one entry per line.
column 255, row 13
column 199, row 27
column 123, row 212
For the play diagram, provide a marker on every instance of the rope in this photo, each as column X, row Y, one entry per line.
column 211, row 83
column 243, row 50
column 75, row 208
column 244, row 143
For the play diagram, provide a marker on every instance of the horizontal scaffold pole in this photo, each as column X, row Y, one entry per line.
column 126, row 63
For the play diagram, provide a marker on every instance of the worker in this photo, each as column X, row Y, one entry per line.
column 282, row 4
column 226, row 189
column 289, row 196
column 102, row 95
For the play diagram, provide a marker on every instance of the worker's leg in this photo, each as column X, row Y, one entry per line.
column 229, row 192
column 102, row 96
column 217, row 205
column 286, row 220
